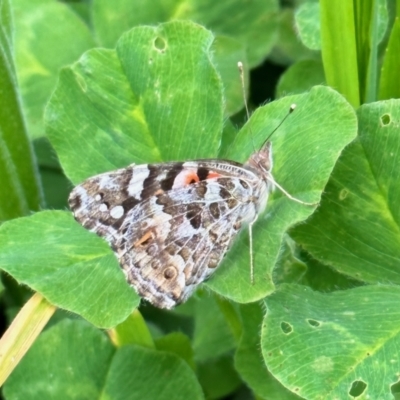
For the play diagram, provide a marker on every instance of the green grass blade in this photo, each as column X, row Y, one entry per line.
column 390, row 83
column 371, row 84
column 20, row 191
column 339, row 49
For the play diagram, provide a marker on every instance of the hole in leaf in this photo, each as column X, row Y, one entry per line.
column 357, row 388
column 286, row 328
column 313, row 322
column 385, row 119
column 160, row 44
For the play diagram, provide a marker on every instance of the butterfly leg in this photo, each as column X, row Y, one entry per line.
column 251, row 250
column 288, row 195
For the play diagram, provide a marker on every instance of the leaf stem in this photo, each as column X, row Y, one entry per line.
column 22, row 332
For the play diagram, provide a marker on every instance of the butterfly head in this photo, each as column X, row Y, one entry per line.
column 261, row 161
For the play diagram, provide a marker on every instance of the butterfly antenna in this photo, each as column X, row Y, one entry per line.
column 241, row 72
column 291, row 109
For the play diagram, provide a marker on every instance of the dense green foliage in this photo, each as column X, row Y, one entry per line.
column 90, row 86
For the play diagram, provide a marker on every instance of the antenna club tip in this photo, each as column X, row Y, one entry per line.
column 240, row 65
column 292, row 107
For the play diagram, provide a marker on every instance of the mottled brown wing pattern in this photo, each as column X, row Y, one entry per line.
column 101, row 203
column 169, row 224
column 180, row 237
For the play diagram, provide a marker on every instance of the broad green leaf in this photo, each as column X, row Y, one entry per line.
column 179, row 344
column 87, row 116
column 339, row 48
column 356, row 228
column 389, row 82
column 73, row 360
column 20, row 188
column 255, row 25
column 229, row 133
column 161, row 321
column 161, row 110
column 324, row 346
column 227, row 53
column 112, row 19
column 300, row 77
column 305, row 147
column 169, row 94
column 70, row 360
column 71, row 267
column 133, row 330
column 138, row 373
column 81, row 8
column 290, row 268
column 43, row 45
column 324, row 278
column 218, row 377
column 212, row 336
column 288, row 48
column 249, row 362
column 6, row 25
column 56, row 186
column 230, row 312
column 307, row 19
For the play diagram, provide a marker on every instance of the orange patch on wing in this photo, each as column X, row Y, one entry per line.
column 190, row 177
column 213, row 174
column 147, row 236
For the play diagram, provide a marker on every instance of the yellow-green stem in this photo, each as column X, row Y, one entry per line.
column 22, row 332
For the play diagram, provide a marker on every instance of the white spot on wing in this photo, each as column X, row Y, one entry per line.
column 136, row 184
column 103, row 207
column 117, row 212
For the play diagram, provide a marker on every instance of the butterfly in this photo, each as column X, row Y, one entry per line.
column 170, row 224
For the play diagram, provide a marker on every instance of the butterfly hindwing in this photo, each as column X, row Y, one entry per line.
column 179, row 238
